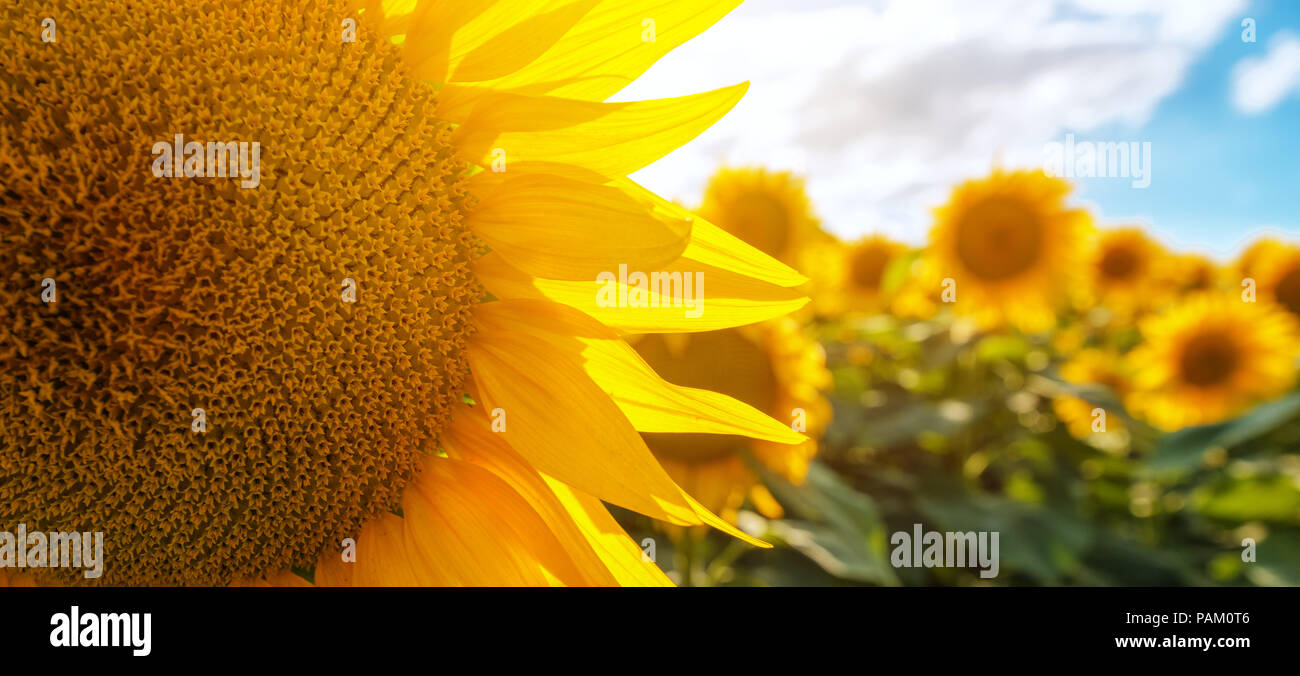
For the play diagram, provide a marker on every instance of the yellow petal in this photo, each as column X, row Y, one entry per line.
column 476, row 40
column 729, row 299
column 498, row 50
column 619, row 552
column 562, row 228
column 650, row 403
column 714, row 246
column 382, row 556
column 765, row 502
column 563, row 423
column 467, row 526
column 333, row 571
column 610, row 139
column 471, row 439
column 611, row 46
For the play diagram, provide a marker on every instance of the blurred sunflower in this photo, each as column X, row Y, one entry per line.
column 1009, row 247
column 768, row 209
column 1182, row 274
column 1092, row 367
column 865, row 264
column 1210, row 358
column 1247, row 262
column 329, row 420
column 1123, row 270
column 772, row 366
column 1278, row 278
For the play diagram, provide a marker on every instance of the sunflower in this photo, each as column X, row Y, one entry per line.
column 772, row 366
column 1005, row 248
column 204, row 391
column 1210, row 358
column 1122, row 270
column 864, row 266
column 1247, row 262
column 1279, row 278
column 1092, row 366
column 768, row 209
column 1182, row 274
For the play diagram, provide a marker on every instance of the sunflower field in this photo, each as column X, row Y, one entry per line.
column 1121, row 414
column 370, row 293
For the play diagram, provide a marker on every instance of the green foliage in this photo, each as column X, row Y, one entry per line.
column 957, row 433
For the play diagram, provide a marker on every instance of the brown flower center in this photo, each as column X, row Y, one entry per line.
column 1209, row 359
column 999, row 239
column 178, row 294
column 1288, row 291
column 1120, row 263
column 867, row 267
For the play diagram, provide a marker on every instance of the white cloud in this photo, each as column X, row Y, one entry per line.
column 885, row 105
column 1260, row 84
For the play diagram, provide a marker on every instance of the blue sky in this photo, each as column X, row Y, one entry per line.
column 1219, row 175
column 884, row 105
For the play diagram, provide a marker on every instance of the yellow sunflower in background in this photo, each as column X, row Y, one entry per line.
column 772, row 366
column 1123, row 270
column 772, row 211
column 768, row 209
column 1188, row 273
column 458, row 441
column 1247, row 262
column 865, row 264
column 1005, row 248
column 1093, row 367
column 1211, row 358
column 1278, row 278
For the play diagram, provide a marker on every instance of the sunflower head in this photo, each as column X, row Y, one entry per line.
column 865, row 265
column 1183, row 274
column 1279, row 277
column 768, row 209
column 1123, row 269
column 187, row 297
column 1005, row 246
column 1210, row 358
column 1247, row 263
column 771, row 366
column 231, row 382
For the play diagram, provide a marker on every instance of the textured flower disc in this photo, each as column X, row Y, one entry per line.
column 175, row 294
column 723, row 361
column 1209, row 359
column 1119, row 263
column 999, row 239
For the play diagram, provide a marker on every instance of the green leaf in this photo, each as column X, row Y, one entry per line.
column 837, row 527
column 1272, row 498
column 1185, row 448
